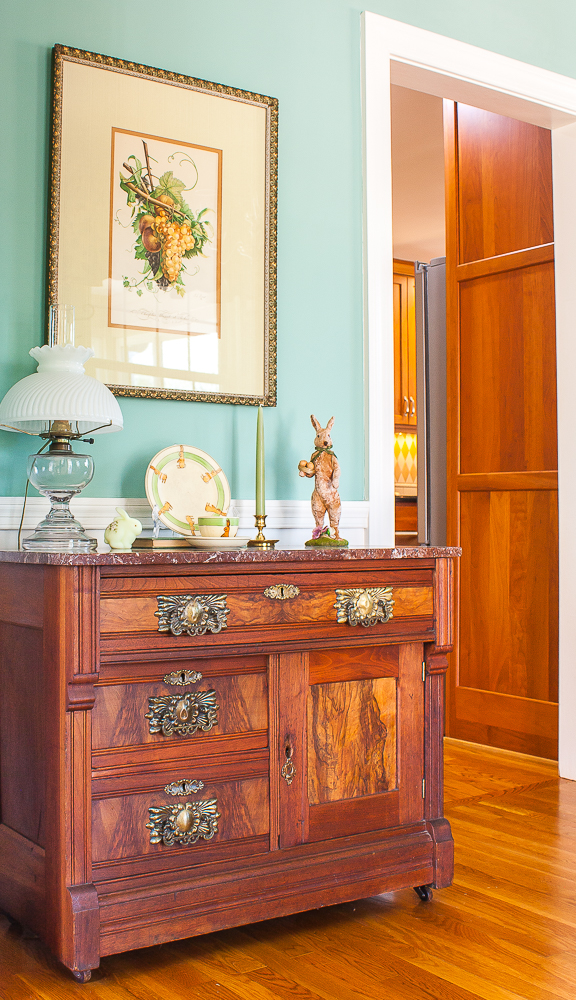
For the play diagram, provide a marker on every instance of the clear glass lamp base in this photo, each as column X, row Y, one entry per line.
column 59, row 532
column 60, row 476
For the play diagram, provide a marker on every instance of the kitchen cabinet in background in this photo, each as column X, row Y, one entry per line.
column 404, row 346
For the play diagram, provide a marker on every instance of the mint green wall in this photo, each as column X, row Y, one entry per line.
column 307, row 54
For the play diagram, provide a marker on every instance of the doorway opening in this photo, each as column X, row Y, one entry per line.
column 419, row 60
column 418, row 226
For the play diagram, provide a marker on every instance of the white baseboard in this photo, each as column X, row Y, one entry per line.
column 290, row 521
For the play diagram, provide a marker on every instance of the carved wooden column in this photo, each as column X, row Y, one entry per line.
column 436, row 665
column 71, row 633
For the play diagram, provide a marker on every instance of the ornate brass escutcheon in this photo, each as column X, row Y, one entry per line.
column 194, row 614
column 181, row 678
column 364, row 605
column 282, row 591
column 186, row 786
column 288, row 770
column 183, row 715
column 183, row 823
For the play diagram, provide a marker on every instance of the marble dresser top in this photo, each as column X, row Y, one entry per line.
column 181, row 557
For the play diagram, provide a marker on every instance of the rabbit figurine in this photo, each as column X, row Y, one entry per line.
column 324, row 466
column 121, row 533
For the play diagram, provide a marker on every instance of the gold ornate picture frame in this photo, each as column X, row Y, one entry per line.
column 163, row 192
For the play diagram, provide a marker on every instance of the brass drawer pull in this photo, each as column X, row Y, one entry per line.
column 194, row 614
column 181, row 678
column 364, row 605
column 186, row 786
column 183, row 823
column 183, row 715
column 288, row 771
column 282, row 592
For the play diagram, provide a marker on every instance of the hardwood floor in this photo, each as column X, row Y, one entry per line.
column 506, row 929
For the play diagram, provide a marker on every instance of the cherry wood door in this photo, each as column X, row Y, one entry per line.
column 502, row 436
column 350, row 741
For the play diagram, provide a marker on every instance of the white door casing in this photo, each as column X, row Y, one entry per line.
column 398, row 53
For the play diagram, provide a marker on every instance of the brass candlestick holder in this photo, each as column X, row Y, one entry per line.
column 260, row 542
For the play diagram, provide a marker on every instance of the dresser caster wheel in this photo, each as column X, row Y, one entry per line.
column 424, row 892
column 82, row 975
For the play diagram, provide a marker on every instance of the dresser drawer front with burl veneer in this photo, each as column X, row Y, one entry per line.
column 253, row 608
column 152, row 831
column 143, row 714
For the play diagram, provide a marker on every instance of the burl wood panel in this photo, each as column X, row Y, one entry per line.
column 505, row 184
column 118, row 717
column 508, row 372
column 22, row 742
column 136, row 614
column 509, row 590
column 351, row 739
column 119, row 824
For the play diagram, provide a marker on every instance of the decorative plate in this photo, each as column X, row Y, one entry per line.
column 217, row 543
column 180, row 481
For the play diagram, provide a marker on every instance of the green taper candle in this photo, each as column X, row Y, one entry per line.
column 260, row 490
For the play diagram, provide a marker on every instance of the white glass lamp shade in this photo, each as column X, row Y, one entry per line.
column 60, row 390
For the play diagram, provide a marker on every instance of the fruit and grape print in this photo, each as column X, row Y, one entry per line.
column 167, row 231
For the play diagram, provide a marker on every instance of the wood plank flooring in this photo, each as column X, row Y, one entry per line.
column 506, row 929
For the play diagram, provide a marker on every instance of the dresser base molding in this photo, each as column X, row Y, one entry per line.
column 138, row 917
column 320, row 758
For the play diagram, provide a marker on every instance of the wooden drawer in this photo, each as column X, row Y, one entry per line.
column 254, row 613
column 156, row 713
column 150, row 825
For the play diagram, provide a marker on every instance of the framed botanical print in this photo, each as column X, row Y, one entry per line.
column 163, row 228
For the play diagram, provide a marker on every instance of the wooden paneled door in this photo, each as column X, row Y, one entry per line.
column 502, row 453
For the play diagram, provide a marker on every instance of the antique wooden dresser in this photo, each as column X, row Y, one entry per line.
column 196, row 740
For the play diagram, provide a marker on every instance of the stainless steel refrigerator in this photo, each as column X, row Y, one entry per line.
column 431, row 396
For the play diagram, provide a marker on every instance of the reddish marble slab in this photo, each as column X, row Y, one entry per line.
column 183, row 556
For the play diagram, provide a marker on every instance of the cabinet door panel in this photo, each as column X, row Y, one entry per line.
column 400, row 358
column 411, row 350
column 404, row 345
column 363, row 743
